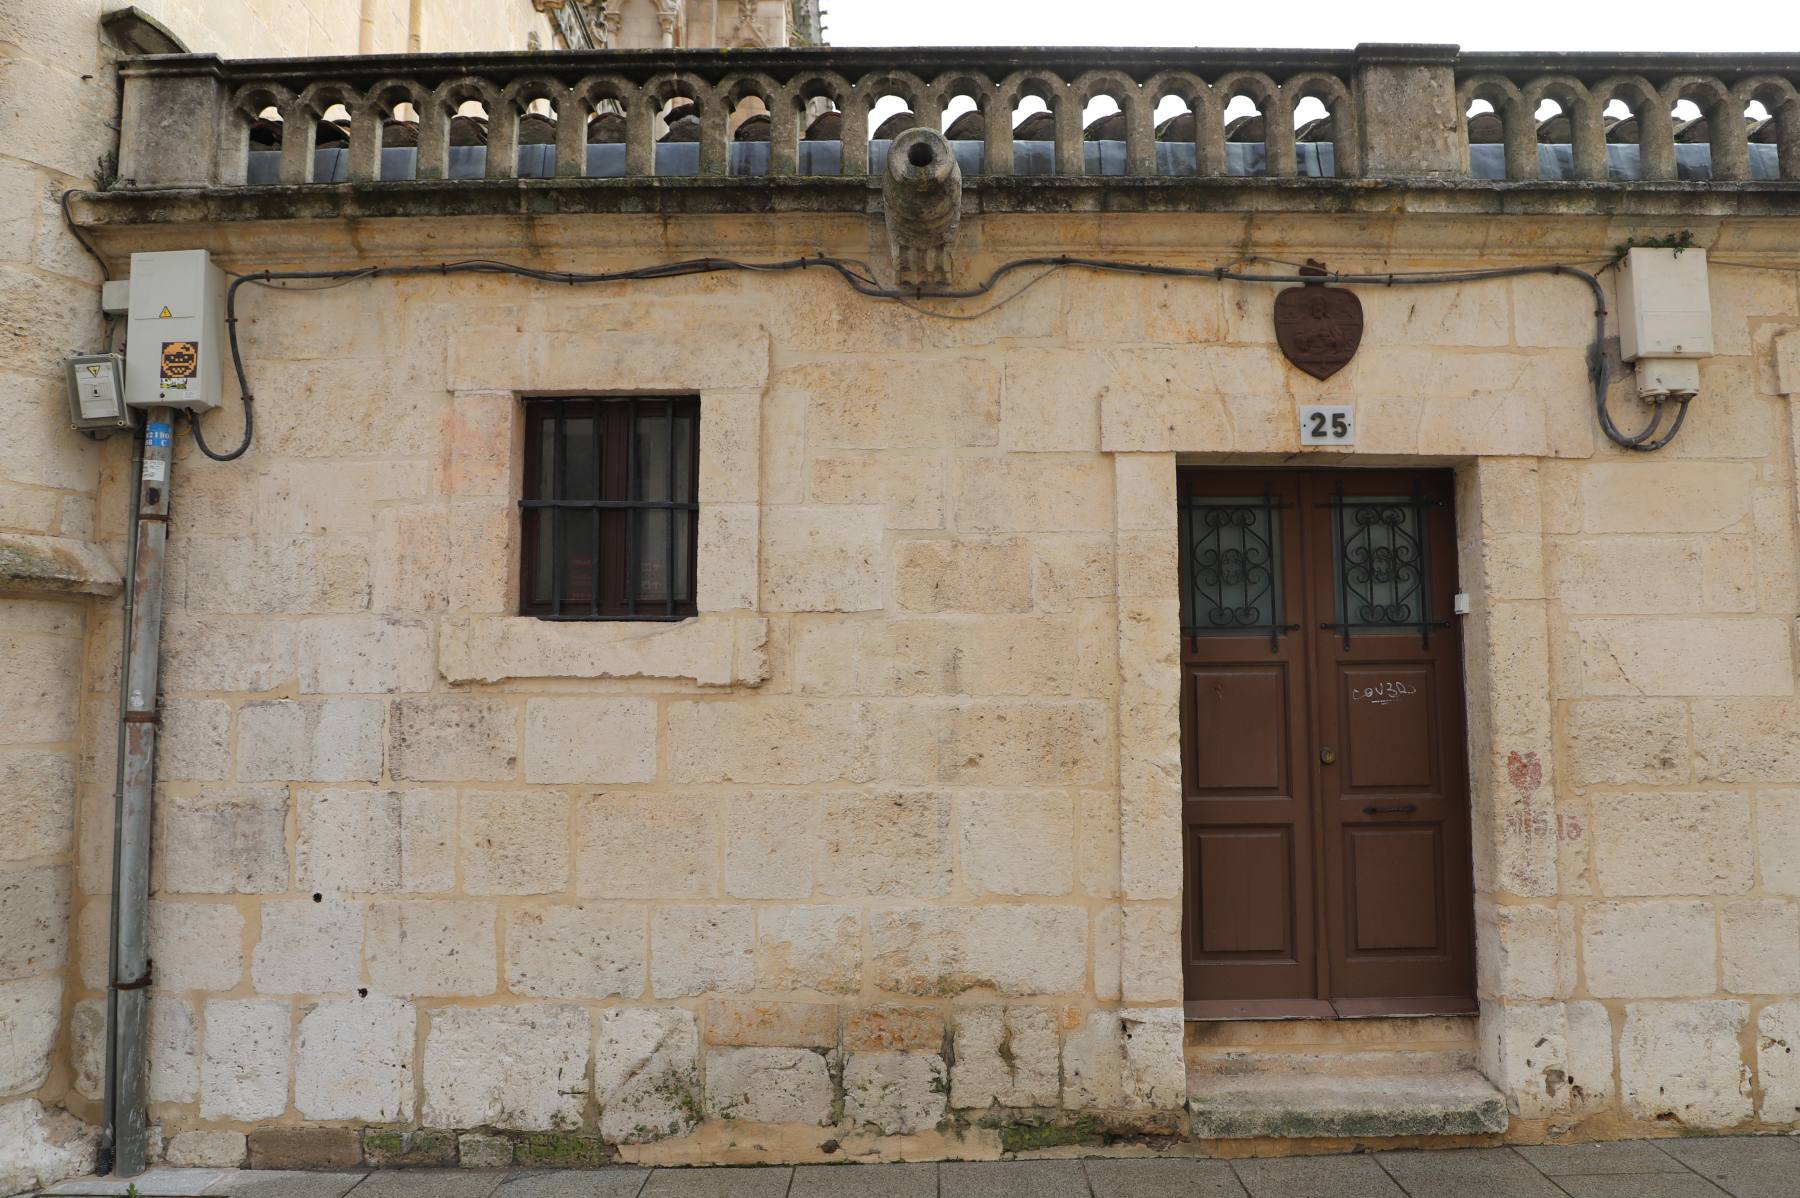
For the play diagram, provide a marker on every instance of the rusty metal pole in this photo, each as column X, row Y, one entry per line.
column 131, row 859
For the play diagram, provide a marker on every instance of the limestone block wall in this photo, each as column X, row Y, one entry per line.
column 880, row 854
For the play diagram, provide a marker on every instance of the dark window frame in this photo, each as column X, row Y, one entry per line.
column 614, row 591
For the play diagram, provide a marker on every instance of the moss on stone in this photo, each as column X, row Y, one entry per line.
column 1027, row 1135
column 556, row 1149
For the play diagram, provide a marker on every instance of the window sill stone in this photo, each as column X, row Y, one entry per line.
column 709, row 650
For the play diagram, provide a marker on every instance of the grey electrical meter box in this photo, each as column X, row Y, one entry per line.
column 175, row 335
column 97, row 393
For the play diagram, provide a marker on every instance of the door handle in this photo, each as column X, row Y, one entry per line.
column 1327, row 756
column 1400, row 809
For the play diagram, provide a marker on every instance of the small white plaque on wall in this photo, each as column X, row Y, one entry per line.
column 1327, row 424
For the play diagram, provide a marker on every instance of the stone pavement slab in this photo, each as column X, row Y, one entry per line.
column 572, row 1183
column 1622, row 1156
column 1763, row 1167
column 1007, row 1179
column 430, row 1183
column 1461, row 1172
column 865, row 1181
column 1643, row 1185
column 156, row 1183
column 1317, row 1177
column 1163, row 1179
column 279, row 1183
column 771, row 1182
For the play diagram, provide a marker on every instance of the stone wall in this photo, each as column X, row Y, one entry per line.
column 880, row 855
column 58, row 123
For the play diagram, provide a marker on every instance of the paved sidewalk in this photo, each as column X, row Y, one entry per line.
column 1744, row 1167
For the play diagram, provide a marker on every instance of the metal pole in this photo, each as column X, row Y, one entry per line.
column 131, row 861
column 110, row 1099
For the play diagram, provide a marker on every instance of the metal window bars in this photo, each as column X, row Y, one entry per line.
column 1382, row 564
column 1231, row 567
column 614, row 504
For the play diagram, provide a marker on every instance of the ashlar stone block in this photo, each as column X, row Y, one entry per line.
column 809, row 948
column 1746, row 740
column 174, row 1050
column 418, row 947
column 311, row 740
column 1015, row 949
column 193, row 742
column 377, row 841
column 940, row 574
column 647, row 1073
column 308, row 948
column 1778, row 1057
column 771, row 740
column 1778, row 839
column 996, row 742
column 590, row 740
column 244, row 1066
column 37, row 804
column 894, row 844
column 583, row 951
column 1128, row 1059
column 515, row 843
column 768, row 1085
column 825, row 558
column 1685, row 1060
column 205, row 1150
column 1649, row 949
column 1668, row 843
column 1006, row 1056
column 646, row 846
column 898, row 1093
column 1018, row 843
column 365, row 655
column 521, row 1067
column 454, row 740
column 353, row 1060
column 30, row 1013
column 701, row 950
column 1761, row 946
column 225, row 840
column 196, row 946
column 771, row 844
column 894, row 1027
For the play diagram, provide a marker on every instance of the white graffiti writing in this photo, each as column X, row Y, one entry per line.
column 1382, row 693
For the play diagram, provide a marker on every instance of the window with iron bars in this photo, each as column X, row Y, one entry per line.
column 610, row 507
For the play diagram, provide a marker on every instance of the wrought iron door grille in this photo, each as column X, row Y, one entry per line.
column 1231, row 567
column 1381, row 562
column 610, row 508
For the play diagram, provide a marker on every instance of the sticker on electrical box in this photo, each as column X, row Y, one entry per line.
column 158, row 434
column 165, row 314
column 180, row 363
column 156, row 472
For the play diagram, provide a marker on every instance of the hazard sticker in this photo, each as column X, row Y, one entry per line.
column 180, row 363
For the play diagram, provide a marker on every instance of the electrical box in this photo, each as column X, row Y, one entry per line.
column 175, row 333
column 1665, row 310
column 97, row 393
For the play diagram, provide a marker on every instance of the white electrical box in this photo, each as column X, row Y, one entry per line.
column 175, row 335
column 97, row 393
column 1665, row 310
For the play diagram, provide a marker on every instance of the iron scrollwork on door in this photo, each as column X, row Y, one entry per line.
column 1382, row 565
column 1231, row 568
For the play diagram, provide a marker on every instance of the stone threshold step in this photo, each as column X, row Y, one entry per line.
column 1302, row 1105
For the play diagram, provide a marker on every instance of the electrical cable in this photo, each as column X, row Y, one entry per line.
column 861, row 279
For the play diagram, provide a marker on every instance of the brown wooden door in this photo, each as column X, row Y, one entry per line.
column 1326, row 810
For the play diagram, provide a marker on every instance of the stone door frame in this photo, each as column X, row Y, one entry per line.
column 1514, row 829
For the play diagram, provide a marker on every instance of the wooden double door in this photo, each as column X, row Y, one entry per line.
column 1326, row 817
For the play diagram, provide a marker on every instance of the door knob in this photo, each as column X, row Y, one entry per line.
column 1327, row 756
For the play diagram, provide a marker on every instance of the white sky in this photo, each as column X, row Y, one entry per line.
column 1473, row 24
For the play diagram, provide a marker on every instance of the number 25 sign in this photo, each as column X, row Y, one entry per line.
column 1327, row 424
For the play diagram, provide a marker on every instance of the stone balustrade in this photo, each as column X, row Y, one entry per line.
column 1390, row 112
